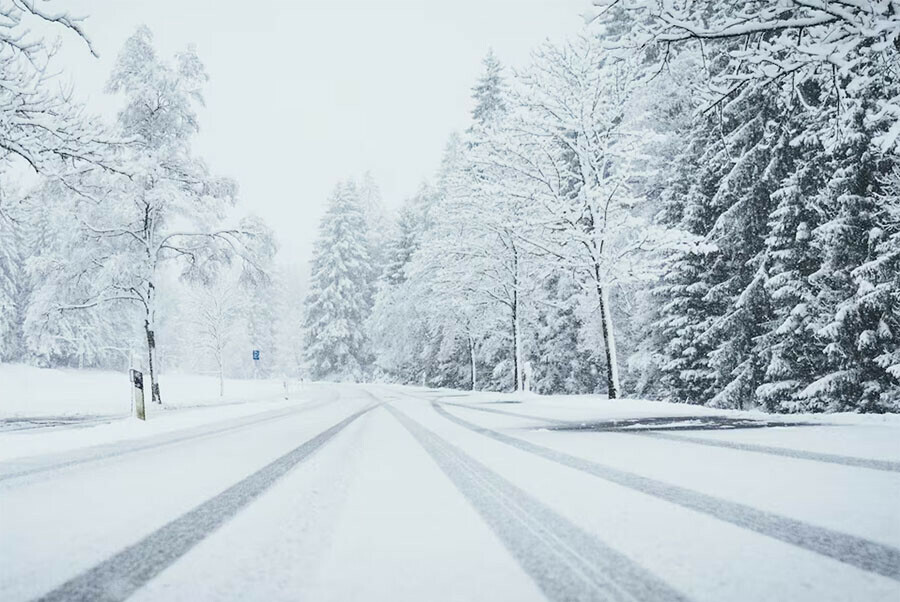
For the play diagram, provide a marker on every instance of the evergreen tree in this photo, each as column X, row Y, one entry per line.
column 792, row 350
column 559, row 360
column 340, row 296
column 687, row 310
column 857, row 303
column 489, row 92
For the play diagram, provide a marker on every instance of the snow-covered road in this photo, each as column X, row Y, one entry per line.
column 388, row 493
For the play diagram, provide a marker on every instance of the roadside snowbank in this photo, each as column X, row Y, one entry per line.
column 27, row 391
column 599, row 407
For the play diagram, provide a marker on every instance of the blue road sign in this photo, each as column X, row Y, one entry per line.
column 256, row 354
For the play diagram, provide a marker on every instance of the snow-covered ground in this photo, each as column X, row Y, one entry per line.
column 30, row 392
column 348, row 492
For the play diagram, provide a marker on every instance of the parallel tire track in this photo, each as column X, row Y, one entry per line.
column 12, row 469
column 849, row 549
column 566, row 562
column 120, row 575
column 885, row 465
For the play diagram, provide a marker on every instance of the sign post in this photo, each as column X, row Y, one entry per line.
column 137, row 382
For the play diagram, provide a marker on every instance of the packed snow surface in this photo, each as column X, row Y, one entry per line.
column 348, row 492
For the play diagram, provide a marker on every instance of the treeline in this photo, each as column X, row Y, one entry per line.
column 704, row 201
column 127, row 249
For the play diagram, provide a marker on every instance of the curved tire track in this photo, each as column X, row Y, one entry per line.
column 856, row 551
column 885, row 465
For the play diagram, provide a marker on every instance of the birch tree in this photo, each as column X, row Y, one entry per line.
column 168, row 210
column 572, row 151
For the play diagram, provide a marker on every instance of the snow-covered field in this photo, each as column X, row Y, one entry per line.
column 30, row 392
column 348, row 492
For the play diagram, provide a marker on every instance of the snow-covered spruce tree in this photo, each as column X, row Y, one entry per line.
column 878, row 296
column 168, row 210
column 377, row 220
column 829, row 77
column 558, row 354
column 856, row 302
column 792, row 349
column 410, row 312
column 761, row 154
column 397, row 327
column 688, row 306
column 490, row 92
column 340, row 295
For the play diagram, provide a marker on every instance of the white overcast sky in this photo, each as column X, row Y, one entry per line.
column 304, row 93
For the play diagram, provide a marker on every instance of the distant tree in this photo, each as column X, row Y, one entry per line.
column 217, row 316
column 376, row 220
column 489, row 92
column 340, row 296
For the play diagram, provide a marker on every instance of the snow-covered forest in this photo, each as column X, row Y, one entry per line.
column 691, row 201
column 124, row 248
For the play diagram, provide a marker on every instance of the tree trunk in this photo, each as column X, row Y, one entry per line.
column 519, row 380
column 517, row 333
column 474, row 373
column 221, row 375
column 149, row 329
column 151, row 362
column 609, row 342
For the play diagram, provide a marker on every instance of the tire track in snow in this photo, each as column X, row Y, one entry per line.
column 21, row 467
column 885, row 465
column 856, row 551
column 120, row 575
column 566, row 562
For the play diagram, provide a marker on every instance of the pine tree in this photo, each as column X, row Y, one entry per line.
column 340, row 296
column 489, row 92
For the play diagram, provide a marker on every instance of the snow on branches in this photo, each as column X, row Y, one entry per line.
column 850, row 48
column 39, row 123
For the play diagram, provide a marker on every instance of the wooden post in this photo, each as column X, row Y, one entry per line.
column 137, row 382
